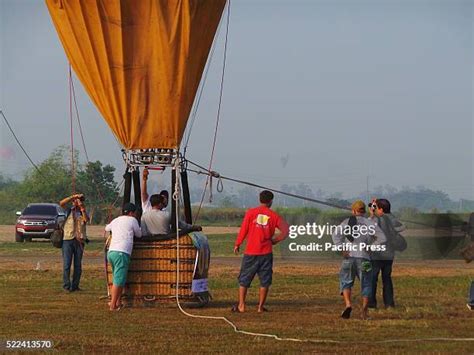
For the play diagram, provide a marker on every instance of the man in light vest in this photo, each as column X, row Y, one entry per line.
column 73, row 240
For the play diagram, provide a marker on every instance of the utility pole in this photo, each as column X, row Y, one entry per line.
column 367, row 187
column 368, row 193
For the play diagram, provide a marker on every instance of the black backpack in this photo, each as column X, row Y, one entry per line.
column 351, row 223
column 57, row 238
column 396, row 240
column 58, row 234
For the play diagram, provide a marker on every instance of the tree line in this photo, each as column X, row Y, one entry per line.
column 53, row 180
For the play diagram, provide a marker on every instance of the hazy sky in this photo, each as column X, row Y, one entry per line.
column 345, row 89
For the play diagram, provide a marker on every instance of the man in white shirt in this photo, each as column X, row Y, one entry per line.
column 123, row 229
column 158, row 221
column 146, row 205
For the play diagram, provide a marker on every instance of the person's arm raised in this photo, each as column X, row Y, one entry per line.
column 68, row 199
column 144, row 185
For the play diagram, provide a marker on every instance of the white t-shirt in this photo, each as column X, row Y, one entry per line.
column 156, row 222
column 123, row 229
column 146, row 206
column 159, row 222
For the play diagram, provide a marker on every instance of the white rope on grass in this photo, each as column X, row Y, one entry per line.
column 176, row 196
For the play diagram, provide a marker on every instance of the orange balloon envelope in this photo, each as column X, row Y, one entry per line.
column 140, row 61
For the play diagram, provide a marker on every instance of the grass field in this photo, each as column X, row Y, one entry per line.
column 304, row 303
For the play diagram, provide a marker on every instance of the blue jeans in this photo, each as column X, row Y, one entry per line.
column 471, row 294
column 72, row 250
column 352, row 268
column 384, row 267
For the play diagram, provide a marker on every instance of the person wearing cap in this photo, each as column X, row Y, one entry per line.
column 146, row 199
column 355, row 239
column 123, row 230
column 258, row 227
column 74, row 237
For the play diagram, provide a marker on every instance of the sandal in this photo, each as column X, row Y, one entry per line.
column 235, row 309
column 346, row 314
column 116, row 309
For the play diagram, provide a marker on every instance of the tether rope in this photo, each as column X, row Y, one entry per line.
column 274, row 336
column 218, row 111
column 209, row 173
column 73, row 172
column 96, row 185
column 201, row 89
column 214, row 174
column 79, row 121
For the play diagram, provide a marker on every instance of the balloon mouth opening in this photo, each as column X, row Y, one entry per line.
column 160, row 157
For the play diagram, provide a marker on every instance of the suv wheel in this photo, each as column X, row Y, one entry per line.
column 19, row 238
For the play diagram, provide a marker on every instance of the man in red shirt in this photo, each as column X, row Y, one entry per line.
column 259, row 228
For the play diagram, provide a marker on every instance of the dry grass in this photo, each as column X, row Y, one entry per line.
column 7, row 232
column 304, row 304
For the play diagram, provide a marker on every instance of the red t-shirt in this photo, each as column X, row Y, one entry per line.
column 259, row 227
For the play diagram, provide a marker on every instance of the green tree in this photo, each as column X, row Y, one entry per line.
column 97, row 183
column 52, row 181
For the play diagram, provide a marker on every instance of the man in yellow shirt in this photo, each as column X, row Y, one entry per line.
column 73, row 240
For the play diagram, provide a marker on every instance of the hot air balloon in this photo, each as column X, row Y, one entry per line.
column 141, row 63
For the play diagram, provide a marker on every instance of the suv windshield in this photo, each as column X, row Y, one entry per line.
column 39, row 209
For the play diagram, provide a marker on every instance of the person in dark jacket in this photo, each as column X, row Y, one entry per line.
column 382, row 262
column 470, row 233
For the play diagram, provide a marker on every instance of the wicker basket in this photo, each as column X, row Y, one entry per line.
column 152, row 271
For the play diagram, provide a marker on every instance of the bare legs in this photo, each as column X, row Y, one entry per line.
column 365, row 308
column 242, row 296
column 115, row 302
column 262, row 297
column 346, row 294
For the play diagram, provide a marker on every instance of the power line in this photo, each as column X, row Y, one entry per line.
column 21, row 146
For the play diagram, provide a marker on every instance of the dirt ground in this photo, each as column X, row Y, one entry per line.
column 304, row 303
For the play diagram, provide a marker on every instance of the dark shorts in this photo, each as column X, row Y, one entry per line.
column 256, row 264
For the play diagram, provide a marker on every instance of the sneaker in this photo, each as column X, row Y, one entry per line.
column 470, row 306
column 346, row 314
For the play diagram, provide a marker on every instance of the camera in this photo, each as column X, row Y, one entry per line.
column 373, row 206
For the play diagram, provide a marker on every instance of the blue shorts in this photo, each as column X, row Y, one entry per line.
column 352, row 268
column 119, row 262
column 262, row 265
